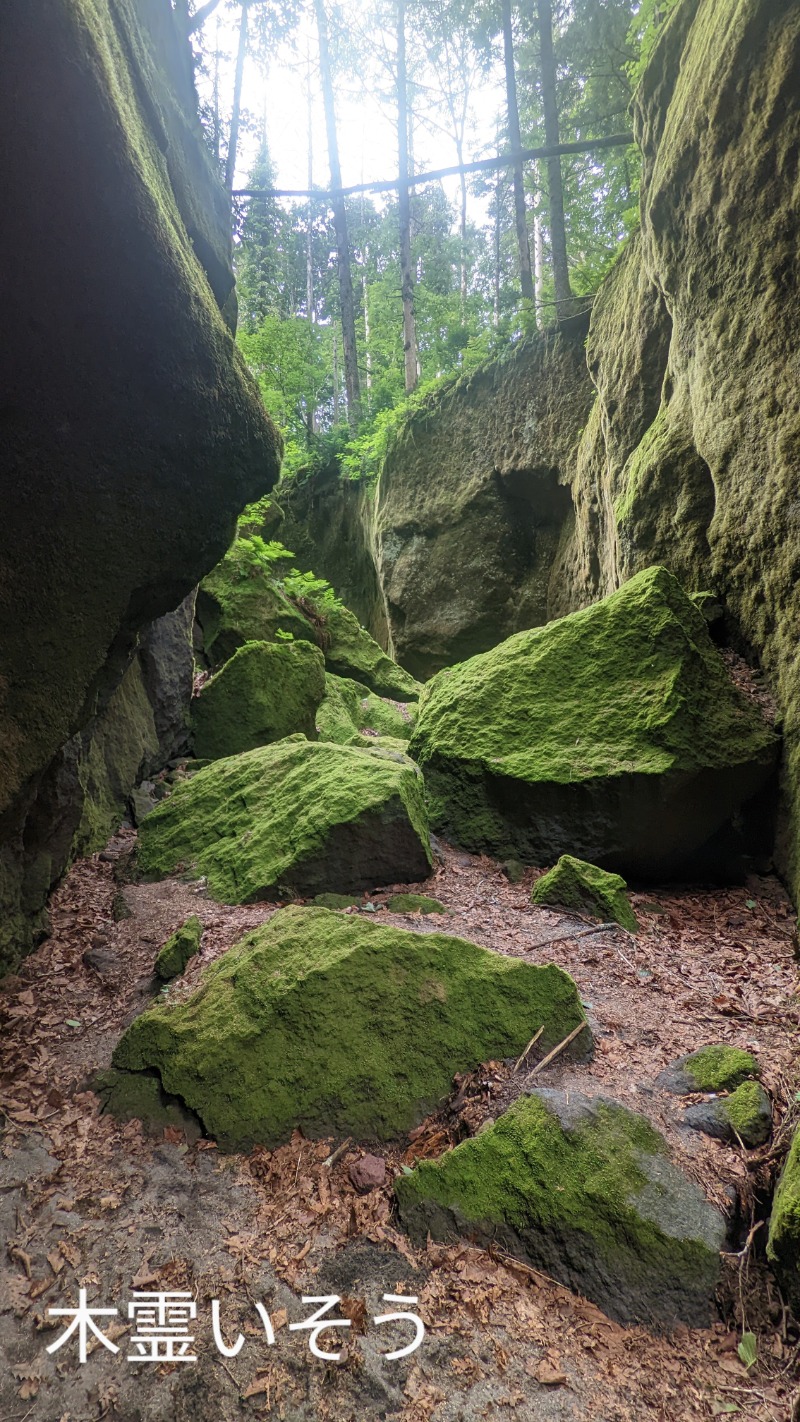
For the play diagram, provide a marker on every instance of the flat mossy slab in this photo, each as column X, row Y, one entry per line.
column 583, row 888
column 783, row 1240
column 296, row 816
column 414, row 903
column 583, row 1189
column 266, row 691
column 335, row 1025
column 717, row 1067
column 178, row 949
column 745, row 1115
column 615, row 734
column 349, row 709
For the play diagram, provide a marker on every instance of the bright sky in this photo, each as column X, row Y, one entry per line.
column 367, row 135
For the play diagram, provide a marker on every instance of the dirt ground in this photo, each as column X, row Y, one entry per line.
column 86, row 1202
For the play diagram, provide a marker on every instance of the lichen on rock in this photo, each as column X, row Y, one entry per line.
column 266, row 691
column 296, row 816
column 335, row 1025
column 584, row 889
column 584, row 1189
column 614, row 734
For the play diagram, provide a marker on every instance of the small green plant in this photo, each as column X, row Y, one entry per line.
column 251, row 554
column 748, row 1349
column 307, row 587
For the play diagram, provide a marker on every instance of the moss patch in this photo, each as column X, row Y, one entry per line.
column 178, row 949
column 583, row 888
column 719, row 1067
column 336, row 901
column 336, row 1025
column 583, row 1189
column 614, row 733
column 350, row 709
column 351, row 652
column 414, row 903
column 783, row 1241
column 265, row 692
column 298, row 816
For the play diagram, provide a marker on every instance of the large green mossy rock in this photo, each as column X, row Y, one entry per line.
column 583, row 888
column 349, row 709
column 337, row 1026
column 614, row 734
column 583, row 1189
column 238, row 603
column 783, row 1240
column 295, row 816
column 265, row 692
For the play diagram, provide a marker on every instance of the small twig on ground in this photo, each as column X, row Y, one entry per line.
column 532, row 1043
column 578, row 933
column 338, row 1153
column 551, row 1056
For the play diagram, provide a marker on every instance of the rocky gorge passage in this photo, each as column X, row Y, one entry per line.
column 85, row 1198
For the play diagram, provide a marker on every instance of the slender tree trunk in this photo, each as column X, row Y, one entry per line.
column 200, row 16
column 367, row 337
column 335, row 379
column 565, row 301
column 346, row 297
column 236, row 113
column 216, row 96
column 463, row 232
column 538, row 264
column 404, row 208
column 311, row 421
column 525, row 272
column 498, row 191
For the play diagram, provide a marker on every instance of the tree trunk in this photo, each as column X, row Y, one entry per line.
column 200, row 16
column 410, row 354
column 538, row 265
column 525, row 272
column 311, row 422
column 346, row 297
column 565, row 301
column 335, row 380
column 233, row 141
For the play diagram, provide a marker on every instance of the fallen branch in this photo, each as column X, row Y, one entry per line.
column 551, row 1056
column 532, row 1043
column 338, row 1153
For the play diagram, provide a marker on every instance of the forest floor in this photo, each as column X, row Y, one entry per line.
column 87, row 1202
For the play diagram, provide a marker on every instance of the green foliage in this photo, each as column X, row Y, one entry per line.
column 646, row 26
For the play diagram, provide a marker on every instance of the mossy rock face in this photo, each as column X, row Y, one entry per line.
column 350, row 709
column 139, row 1096
column 237, row 604
column 414, row 903
column 583, row 888
column 265, row 692
column 716, row 1067
column 351, row 652
column 294, row 816
column 336, row 901
column 783, row 1240
column 745, row 1115
column 584, row 1189
column 614, row 733
column 338, row 1026
column 178, row 949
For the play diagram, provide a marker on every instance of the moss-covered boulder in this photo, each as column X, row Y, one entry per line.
column 139, row 1096
column 745, row 1115
column 294, row 816
column 614, row 733
column 265, row 692
column 351, row 652
column 783, row 1240
column 583, row 888
column 717, row 1067
column 178, row 949
column 349, row 710
column 414, row 903
column 338, row 1026
column 584, row 1189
